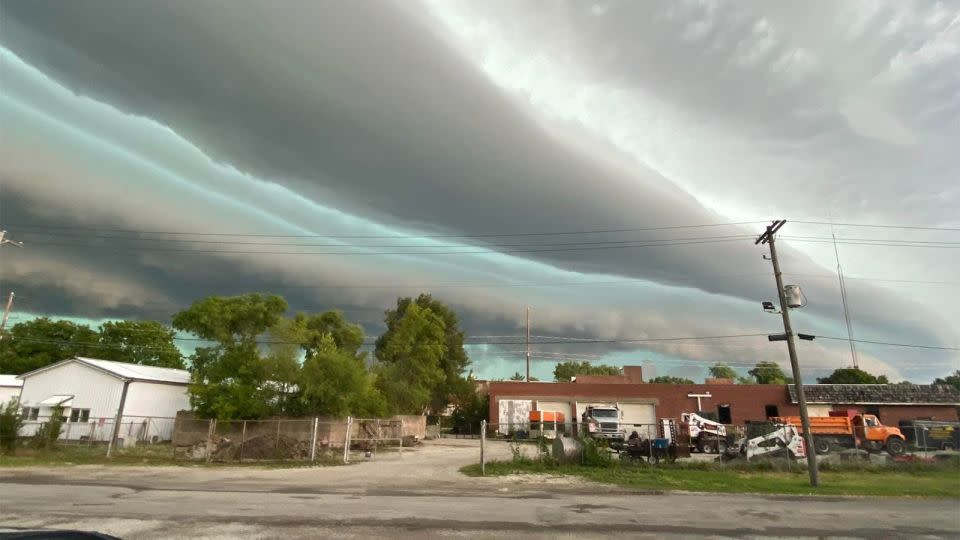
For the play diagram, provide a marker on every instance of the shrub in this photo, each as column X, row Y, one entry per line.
column 10, row 423
column 595, row 452
column 48, row 433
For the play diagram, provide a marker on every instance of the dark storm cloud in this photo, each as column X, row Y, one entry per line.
column 363, row 107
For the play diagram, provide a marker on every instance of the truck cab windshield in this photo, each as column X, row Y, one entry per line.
column 600, row 413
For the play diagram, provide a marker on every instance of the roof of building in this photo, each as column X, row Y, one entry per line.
column 878, row 394
column 10, row 380
column 123, row 370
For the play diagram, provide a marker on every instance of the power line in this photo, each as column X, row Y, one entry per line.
column 873, row 225
column 469, row 235
column 909, row 345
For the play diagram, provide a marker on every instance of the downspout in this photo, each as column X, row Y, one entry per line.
column 116, row 422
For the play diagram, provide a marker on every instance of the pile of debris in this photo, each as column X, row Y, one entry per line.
column 261, row 447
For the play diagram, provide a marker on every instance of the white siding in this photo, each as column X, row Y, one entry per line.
column 91, row 389
column 151, row 408
column 8, row 392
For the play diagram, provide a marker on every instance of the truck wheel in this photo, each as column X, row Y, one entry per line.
column 722, row 447
column 895, row 446
column 821, row 446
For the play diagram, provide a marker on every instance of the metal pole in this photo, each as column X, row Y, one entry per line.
column 346, row 440
column 6, row 314
column 483, row 443
column 276, row 443
column 243, row 439
column 649, row 446
column 528, row 344
column 118, row 418
column 794, row 363
column 313, row 442
column 211, row 428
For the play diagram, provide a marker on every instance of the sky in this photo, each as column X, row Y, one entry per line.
column 607, row 164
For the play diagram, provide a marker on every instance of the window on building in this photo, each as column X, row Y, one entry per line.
column 724, row 416
column 80, row 415
column 31, row 413
column 772, row 411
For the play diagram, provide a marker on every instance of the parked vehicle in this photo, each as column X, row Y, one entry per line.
column 847, row 429
column 604, row 422
column 768, row 439
column 706, row 436
column 931, row 435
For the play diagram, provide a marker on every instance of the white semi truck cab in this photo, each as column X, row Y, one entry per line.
column 604, row 422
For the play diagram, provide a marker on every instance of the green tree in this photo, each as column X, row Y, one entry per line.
column 231, row 380
column 667, row 379
column 148, row 343
column 564, row 371
column 723, row 371
column 288, row 337
column 768, row 373
column 852, row 376
column 453, row 361
column 950, row 380
column 411, row 353
column 10, row 423
column 347, row 336
column 337, row 383
column 517, row 376
column 40, row 342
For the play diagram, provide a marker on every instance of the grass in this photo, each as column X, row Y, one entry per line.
column 143, row 455
column 897, row 480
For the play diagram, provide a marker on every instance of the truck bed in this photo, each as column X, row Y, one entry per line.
column 822, row 425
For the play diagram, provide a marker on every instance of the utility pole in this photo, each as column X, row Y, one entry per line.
column 528, row 343
column 768, row 237
column 6, row 314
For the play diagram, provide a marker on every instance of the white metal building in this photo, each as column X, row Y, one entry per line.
column 90, row 393
column 9, row 388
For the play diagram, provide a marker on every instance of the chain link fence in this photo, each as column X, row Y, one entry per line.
column 777, row 445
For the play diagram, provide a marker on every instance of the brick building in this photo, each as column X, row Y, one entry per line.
column 644, row 403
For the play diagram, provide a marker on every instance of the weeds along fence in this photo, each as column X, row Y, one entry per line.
column 133, row 430
column 285, row 439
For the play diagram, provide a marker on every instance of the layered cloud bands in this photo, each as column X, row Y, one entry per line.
column 364, row 139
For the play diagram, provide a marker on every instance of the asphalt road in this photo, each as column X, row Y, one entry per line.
column 422, row 496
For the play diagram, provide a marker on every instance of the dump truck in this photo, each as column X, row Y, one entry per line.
column 849, row 429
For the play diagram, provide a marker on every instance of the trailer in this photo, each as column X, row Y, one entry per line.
column 931, row 435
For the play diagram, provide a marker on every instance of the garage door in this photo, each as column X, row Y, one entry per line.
column 642, row 415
